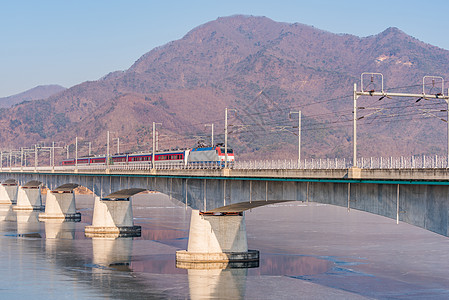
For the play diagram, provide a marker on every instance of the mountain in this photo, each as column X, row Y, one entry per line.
column 39, row 92
column 263, row 69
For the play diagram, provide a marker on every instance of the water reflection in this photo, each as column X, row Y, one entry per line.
column 6, row 213
column 291, row 265
column 217, row 283
column 226, row 280
column 28, row 224
column 59, row 229
column 112, row 253
column 315, row 252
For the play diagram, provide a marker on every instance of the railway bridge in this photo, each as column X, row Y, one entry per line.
column 416, row 196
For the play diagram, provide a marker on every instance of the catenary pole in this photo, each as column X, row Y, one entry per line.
column 354, row 138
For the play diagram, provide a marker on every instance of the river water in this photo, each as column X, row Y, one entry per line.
column 308, row 251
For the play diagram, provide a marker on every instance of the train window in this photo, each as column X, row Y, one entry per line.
column 222, row 149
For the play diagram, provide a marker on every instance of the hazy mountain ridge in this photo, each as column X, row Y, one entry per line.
column 39, row 92
column 227, row 63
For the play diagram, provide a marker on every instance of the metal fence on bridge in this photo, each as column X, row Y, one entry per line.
column 414, row 162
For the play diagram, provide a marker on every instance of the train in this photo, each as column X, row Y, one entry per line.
column 215, row 154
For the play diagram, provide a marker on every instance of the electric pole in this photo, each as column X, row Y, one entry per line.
column 299, row 135
column 154, row 144
column 226, row 135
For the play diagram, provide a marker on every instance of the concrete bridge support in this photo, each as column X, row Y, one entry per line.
column 8, row 192
column 217, row 238
column 113, row 216
column 219, row 235
column 60, row 204
column 29, row 196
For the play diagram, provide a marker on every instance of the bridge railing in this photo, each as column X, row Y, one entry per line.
column 402, row 162
column 327, row 163
column 412, row 162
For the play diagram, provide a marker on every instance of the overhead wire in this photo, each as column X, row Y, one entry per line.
column 182, row 138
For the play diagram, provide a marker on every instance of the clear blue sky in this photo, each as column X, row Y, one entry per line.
column 68, row 42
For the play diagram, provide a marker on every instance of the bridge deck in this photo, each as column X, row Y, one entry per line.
column 393, row 176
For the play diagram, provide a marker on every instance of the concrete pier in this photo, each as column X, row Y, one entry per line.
column 29, row 196
column 60, row 204
column 8, row 192
column 217, row 238
column 113, row 216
